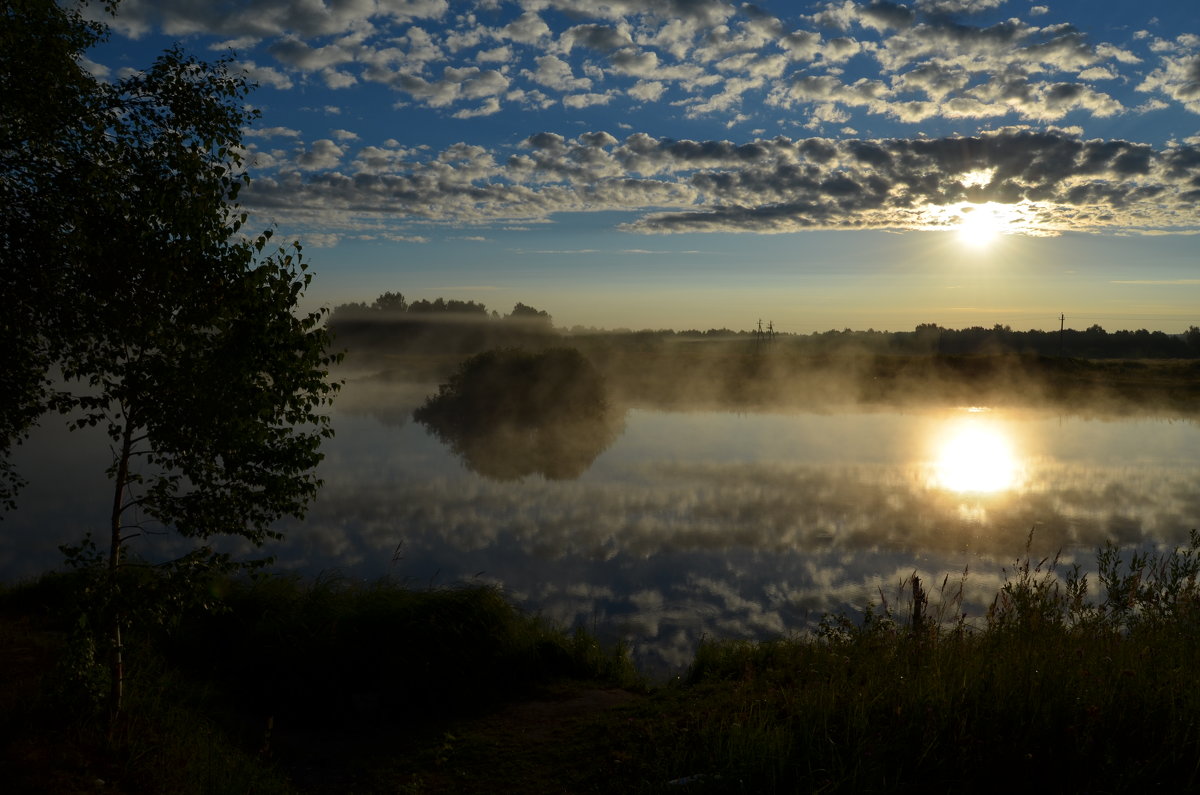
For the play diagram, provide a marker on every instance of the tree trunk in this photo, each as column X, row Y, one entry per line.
column 116, row 661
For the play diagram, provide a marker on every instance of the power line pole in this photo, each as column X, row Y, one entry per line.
column 1062, row 324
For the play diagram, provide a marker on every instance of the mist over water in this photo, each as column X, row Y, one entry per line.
column 734, row 524
column 751, row 524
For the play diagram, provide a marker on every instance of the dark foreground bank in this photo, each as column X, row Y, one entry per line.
column 1072, row 683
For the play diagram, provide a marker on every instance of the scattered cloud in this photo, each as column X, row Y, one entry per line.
column 1046, row 181
column 931, row 58
column 271, row 132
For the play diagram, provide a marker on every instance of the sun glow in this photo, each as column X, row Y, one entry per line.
column 981, row 224
column 976, row 456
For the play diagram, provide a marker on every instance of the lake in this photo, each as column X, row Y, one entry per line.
column 744, row 525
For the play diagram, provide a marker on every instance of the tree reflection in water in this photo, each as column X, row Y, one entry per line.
column 511, row 413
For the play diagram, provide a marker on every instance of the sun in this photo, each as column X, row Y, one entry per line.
column 976, row 457
column 981, row 224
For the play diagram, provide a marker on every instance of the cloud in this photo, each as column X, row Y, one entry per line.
column 489, row 107
column 502, row 54
column 265, row 75
column 555, row 73
column 727, row 61
column 323, row 154
column 577, row 101
column 1177, row 77
column 265, row 18
column 1050, row 181
column 320, row 240
column 689, row 546
column 271, row 132
column 647, row 91
column 96, row 70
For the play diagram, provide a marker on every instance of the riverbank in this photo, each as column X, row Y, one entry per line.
column 335, row 686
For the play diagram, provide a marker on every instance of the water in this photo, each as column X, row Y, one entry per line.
column 732, row 525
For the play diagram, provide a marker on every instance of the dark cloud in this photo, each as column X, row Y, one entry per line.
column 1050, row 179
column 596, row 37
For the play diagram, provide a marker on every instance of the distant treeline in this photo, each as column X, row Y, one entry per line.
column 391, row 323
column 1091, row 343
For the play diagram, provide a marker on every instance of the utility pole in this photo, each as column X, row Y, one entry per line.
column 1062, row 324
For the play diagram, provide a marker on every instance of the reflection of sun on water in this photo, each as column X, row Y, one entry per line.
column 976, row 456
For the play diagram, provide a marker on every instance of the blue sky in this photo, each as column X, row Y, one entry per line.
column 699, row 163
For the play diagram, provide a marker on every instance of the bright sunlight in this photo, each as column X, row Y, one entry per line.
column 975, row 456
column 981, row 224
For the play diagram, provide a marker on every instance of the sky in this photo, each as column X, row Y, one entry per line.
column 705, row 164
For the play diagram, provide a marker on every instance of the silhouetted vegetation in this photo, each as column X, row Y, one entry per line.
column 1081, row 682
column 135, row 302
column 391, row 324
column 511, row 413
column 1081, row 692
column 321, row 683
column 930, row 338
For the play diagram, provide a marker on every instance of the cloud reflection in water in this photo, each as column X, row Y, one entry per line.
column 741, row 525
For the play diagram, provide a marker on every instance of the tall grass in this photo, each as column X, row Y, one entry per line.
column 1078, row 691
column 1070, row 682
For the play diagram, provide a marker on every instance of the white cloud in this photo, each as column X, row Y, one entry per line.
column 647, row 90
column 335, row 79
column 502, row 54
column 1178, row 78
column 555, row 73
column 265, row 75
column 526, row 29
column 577, row 101
column 490, row 106
column 322, row 154
column 271, row 132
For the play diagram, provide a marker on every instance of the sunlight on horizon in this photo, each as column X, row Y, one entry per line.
column 975, row 455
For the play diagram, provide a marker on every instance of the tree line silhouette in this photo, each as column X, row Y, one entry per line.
column 391, row 323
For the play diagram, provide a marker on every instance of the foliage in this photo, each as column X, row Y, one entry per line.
column 167, row 327
column 327, row 679
column 510, row 413
column 1094, row 693
column 49, row 133
column 347, row 652
column 1080, row 691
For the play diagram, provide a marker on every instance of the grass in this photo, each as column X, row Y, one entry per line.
column 1069, row 683
column 288, row 683
column 1079, row 694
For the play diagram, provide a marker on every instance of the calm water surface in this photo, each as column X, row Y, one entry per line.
column 734, row 525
